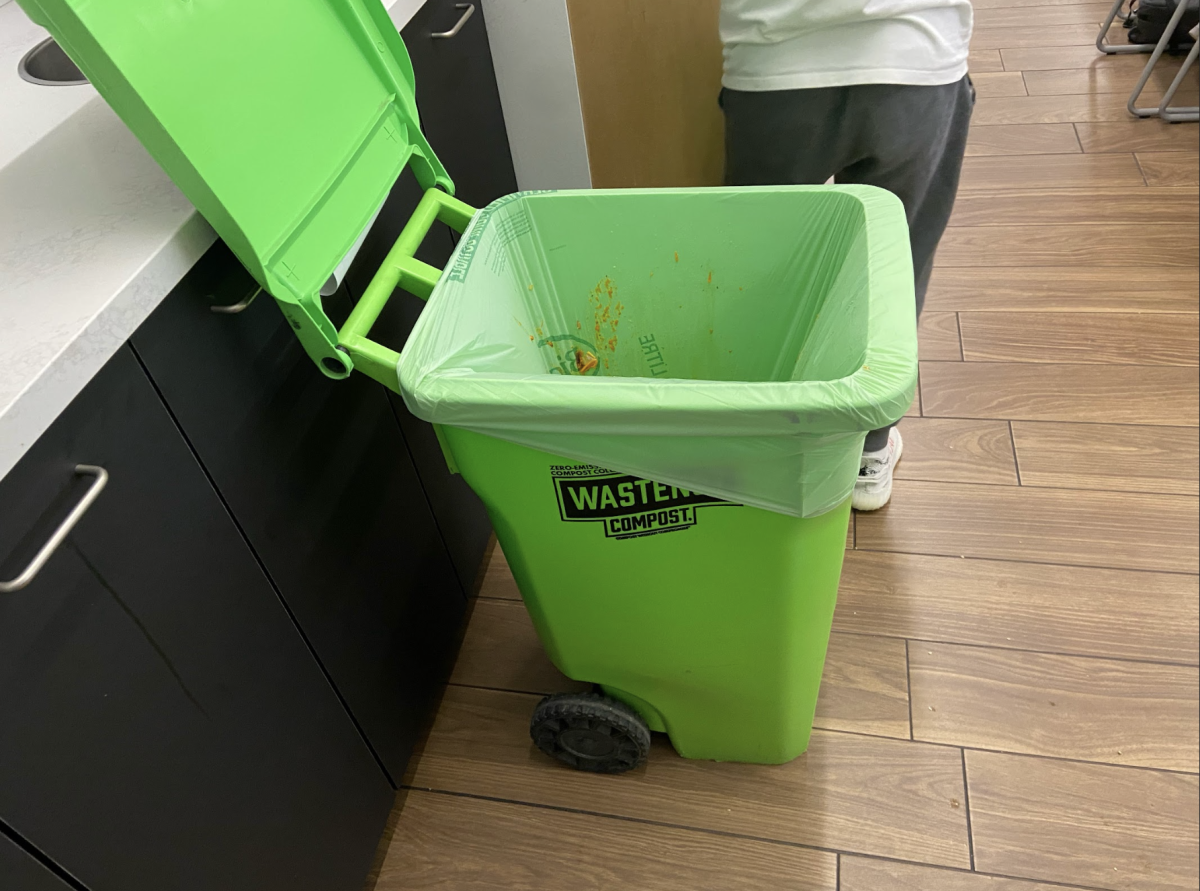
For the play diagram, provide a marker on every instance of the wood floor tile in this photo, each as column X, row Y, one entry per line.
column 1084, row 244
column 1061, row 289
column 984, row 61
column 1136, row 206
column 848, row 792
column 501, row 650
column 1024, row 172
column 950, row 450
column 1101, row 394
column 1123, row 458
column 1061, row 58
column 914, row 410
column 1088, row 824
column 937, row 335
column 1136, row 136
column 1058, row 609
column 1099, row 78
column 1029, row 34
column 1103, row 710
column 1074, row 14
column 1120, row 530
column 1170, row 168
column 865, row 874
column 999, row 83
column 451, row 843
column 1022, row 139
column 498, row 581
column 1062, row 109
column 1105, row 338
column 865, row 687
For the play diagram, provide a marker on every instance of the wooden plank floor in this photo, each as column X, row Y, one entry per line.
column 1010, row 697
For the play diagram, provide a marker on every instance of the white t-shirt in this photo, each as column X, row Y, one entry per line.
column 802, row 44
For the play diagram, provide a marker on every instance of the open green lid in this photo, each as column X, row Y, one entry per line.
column 285, row 122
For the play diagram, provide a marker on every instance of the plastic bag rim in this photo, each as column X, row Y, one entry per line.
column 891, row 382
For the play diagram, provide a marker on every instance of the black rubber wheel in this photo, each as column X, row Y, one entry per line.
column 590, row 731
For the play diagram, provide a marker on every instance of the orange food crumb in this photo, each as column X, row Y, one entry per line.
column 677, row 256
column 710, row 278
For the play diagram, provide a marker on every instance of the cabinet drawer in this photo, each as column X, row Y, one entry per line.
column 317, row 475
column 162, row 723
column 459, row 101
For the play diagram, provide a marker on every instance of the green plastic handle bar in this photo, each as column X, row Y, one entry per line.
column 400, row 269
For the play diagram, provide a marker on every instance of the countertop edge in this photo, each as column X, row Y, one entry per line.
column 64, row 377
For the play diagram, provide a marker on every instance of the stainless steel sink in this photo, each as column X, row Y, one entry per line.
column 48, row 65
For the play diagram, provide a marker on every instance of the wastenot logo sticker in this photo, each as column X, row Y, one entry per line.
column 629, row 507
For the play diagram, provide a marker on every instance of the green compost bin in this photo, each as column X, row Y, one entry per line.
column 660, row 396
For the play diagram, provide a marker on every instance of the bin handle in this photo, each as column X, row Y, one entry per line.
column 400, row 269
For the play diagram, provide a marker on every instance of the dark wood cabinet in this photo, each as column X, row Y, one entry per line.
column 19, row 871
column 319, row 479
column 458, row 99
column 162, row 722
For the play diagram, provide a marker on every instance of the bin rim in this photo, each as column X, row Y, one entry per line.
column 866, row 399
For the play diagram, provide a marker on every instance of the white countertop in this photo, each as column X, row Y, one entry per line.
column 93, row 236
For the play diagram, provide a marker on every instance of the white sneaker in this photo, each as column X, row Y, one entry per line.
column 873, row 488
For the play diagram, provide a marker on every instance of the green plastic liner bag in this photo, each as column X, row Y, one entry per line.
column 738, row 342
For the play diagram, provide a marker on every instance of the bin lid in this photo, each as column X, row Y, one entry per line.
column 285, row 122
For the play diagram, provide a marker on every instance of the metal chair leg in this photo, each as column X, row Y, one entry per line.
column 1114, row 49
column 1159, row 49
column 1182, row 114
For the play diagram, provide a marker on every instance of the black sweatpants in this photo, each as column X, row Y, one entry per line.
column 909, row 140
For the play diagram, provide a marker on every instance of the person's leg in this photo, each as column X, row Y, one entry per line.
column 911, row 141
column 785, row 137
column 877, row 440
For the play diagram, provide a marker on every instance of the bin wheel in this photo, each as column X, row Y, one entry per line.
column 590, row 731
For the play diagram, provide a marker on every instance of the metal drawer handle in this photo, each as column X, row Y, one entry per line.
column 63, row 530
column 453, row 32
column 232, row 309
